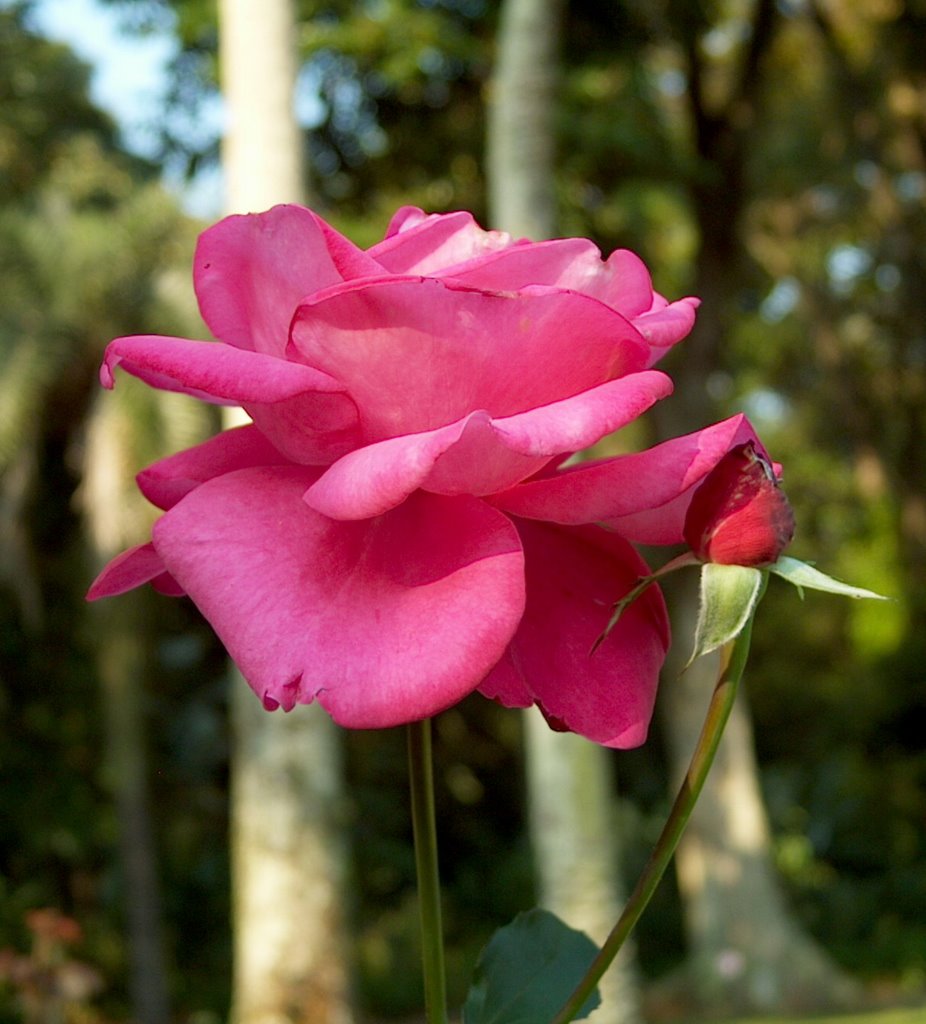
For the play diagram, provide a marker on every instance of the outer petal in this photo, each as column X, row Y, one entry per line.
column 623, row 282
column 574, row 576
column 421, row 353
column 165, row 482
column 568, row 263
column 420, row 243
column 383, row 621
column 215, row 373
column 304, row 411
column 664, row 327
column 138, row 565
column 250, row 272
column 479, row 455
column 643, row 496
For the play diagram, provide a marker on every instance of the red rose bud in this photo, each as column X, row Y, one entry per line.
column 739, row 515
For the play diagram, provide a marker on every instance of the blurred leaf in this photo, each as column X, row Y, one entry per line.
column 528, row 970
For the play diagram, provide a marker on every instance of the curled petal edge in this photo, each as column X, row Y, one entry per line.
column 212, row 371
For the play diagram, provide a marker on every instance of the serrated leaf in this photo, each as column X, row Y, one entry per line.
column 803, row 575
column 728, row 598
column 528, row 970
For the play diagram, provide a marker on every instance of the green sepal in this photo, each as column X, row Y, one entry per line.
column 621, row 606
column 729, row 594
column 688, row 558
column 801, row 575
column 528, row 970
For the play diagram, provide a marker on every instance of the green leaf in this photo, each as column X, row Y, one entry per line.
column 803, row 575
column 728, row 598
column 528, row 970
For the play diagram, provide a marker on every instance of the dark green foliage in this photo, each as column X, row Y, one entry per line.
column 528, row 970
column 43, row 95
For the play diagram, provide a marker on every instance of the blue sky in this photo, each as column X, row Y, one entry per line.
column 129, row 72
column 129, row 81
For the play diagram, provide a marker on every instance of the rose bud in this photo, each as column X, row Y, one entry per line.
column 739, row 515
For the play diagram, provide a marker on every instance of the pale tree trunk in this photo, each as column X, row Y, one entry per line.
column 111, row 508
column 288, row 848
column 571, row 804
column 262, row 157
column 520, row 150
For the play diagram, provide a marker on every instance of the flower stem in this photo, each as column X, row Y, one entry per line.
column 732, row 662
column 425, row 830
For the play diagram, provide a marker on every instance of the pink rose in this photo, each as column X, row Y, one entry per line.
column 393, row 532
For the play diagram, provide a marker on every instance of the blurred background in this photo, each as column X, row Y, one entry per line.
column 767, row 156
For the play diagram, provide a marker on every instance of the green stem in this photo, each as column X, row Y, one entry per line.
column 732, row 662
column 425, row 830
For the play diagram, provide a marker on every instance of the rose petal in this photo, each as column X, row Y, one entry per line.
column 304, row 412
column 574, row 576
column 211, row 371
column 623, row 282
column 250, row 272
column 138, row 565
column 577, row 422
column 165, row 584
column 663, row 328
column 384, row 621
column 165, row 482
column 420, row 243
column 378, row 477
column 643, row 496
column 419, row 354
column 571, row 263
column 479, row 455
column 487, row 262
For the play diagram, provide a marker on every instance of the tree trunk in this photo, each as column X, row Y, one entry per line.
column 520, row 139
column 288, row 848
column 110, row 506
column 262, row 155
column 288, row 866
column 571, row 809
